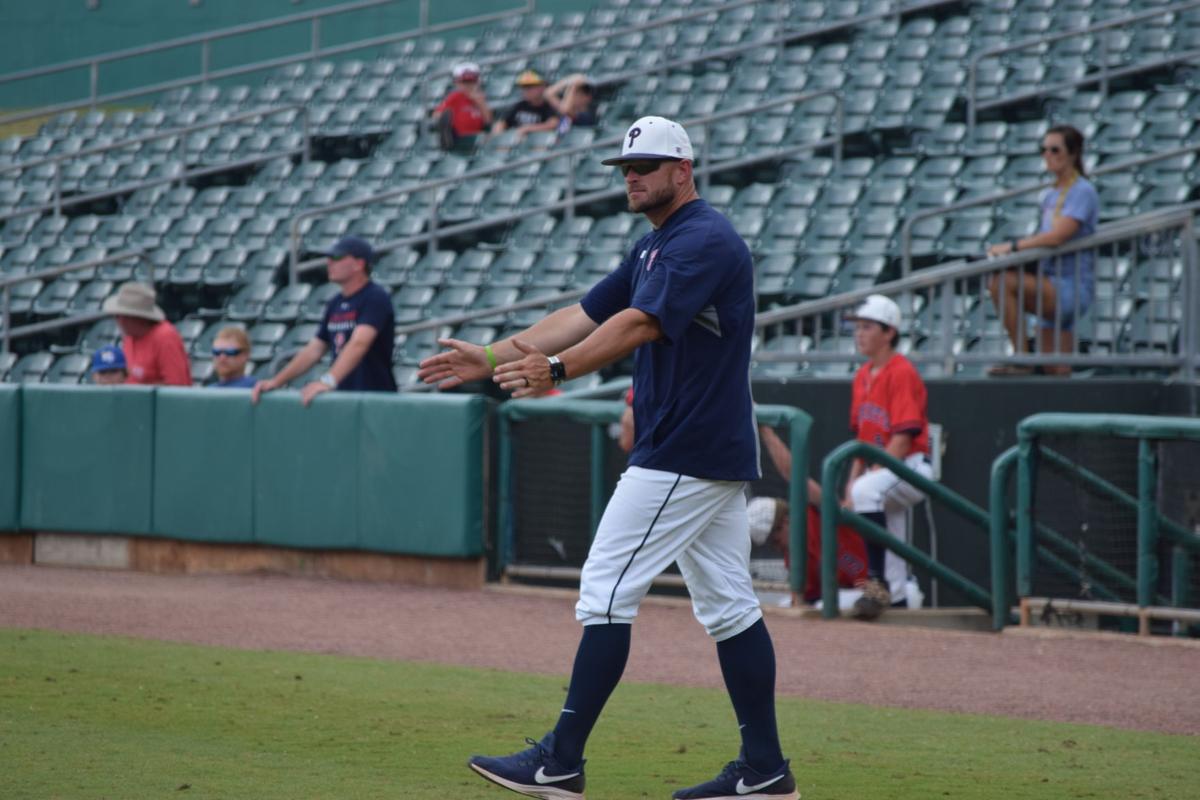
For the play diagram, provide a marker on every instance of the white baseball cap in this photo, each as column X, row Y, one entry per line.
column 652, row 138
column 878, row 308
column 464, row 69
column 761, row 511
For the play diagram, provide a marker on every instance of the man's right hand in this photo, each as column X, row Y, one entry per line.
column 460, row 363
column 262, row 387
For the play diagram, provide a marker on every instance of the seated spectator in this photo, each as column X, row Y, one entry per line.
column 533, row 112
column 231, row 353
column 358, row 325
column 153, row 348
column 572, row 98
column 464, row 114
column 108, row 366
column 1059, row 288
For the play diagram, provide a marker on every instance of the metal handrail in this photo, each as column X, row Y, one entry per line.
column 832, row 515
column 966, row 268
column 973, row 104
column 1150, row 522
column 6, row 284
column 205, row 39
column 995, row 197
column 58, row 158
column 296, row 266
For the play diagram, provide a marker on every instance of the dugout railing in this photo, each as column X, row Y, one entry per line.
column 833, row 472
column 598, row 415
column 1154, row 531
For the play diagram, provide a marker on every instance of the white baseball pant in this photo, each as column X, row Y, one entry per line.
column 657, row 517
column 881, row 490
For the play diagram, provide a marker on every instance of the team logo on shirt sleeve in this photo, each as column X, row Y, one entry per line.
column 650, row 261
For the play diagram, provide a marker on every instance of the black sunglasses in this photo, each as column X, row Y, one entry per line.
column 226, row 351
column 1051, row 149
column 642, row 167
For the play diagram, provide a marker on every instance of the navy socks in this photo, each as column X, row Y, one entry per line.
column 875, row 553
column 748, row 666
column 599, row 663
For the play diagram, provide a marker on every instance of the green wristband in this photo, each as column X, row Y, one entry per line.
column 491, row 357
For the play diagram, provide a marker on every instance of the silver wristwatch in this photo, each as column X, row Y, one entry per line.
column 328, row 380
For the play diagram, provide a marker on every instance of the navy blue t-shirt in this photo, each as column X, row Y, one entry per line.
column 692, row 409
column 372, row 306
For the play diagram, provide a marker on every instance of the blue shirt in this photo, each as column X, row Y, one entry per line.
column 691, row 389
column 244, row 382
column 372, row 306
column 1082, row 204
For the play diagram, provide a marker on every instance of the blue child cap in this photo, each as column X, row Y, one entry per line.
column 354, row 247
column 108, row 357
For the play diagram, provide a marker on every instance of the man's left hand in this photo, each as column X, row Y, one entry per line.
column 311, row 390
column 527, row 377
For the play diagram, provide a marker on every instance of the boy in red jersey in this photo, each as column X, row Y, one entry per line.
column 887, row 410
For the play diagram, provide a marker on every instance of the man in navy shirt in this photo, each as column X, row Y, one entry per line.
column 358, row 325
column 682, row 302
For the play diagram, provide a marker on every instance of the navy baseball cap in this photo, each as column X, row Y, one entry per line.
column 108, row 357
column 354, row 247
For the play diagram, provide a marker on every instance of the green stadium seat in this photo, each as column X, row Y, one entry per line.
column 31, row 368
column 412, row 303
column 53, row 300
column 248, row 303
column 432, row 268
column 285, row 304
column 297, row 337
column 71, row 368
column 452, row 300
column 89, row 298
column 512, row 269
column 264, row 338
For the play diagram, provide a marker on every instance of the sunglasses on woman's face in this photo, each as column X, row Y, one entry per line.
column 226, row 351
column 1051, row 149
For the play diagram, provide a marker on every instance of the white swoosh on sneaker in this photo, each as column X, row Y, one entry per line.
column 541, row 777
column 742, row 788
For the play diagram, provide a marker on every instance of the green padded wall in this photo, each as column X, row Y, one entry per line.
column 10, row 457
column 87, row 458
column 378, row 472
column 306, row 471
column 204, row 465
column 421, row 485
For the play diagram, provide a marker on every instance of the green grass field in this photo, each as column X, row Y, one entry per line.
column 84, row 717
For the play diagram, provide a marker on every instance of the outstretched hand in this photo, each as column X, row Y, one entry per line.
column 527, row 377
column 460, row 363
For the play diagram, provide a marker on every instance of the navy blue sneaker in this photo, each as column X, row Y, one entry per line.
column 535, row 772
column 739, row 782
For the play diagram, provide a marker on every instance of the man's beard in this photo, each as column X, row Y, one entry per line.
column 653, row 201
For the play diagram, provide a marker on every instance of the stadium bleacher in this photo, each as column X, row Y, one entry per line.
column 219, row 243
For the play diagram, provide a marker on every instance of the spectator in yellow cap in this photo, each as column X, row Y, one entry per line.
column 533, row 112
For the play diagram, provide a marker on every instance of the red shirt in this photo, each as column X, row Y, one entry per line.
column 158, row 357
column 465, row 116
column 890, row 401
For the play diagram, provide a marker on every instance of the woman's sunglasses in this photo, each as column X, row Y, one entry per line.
column 1051, row 149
